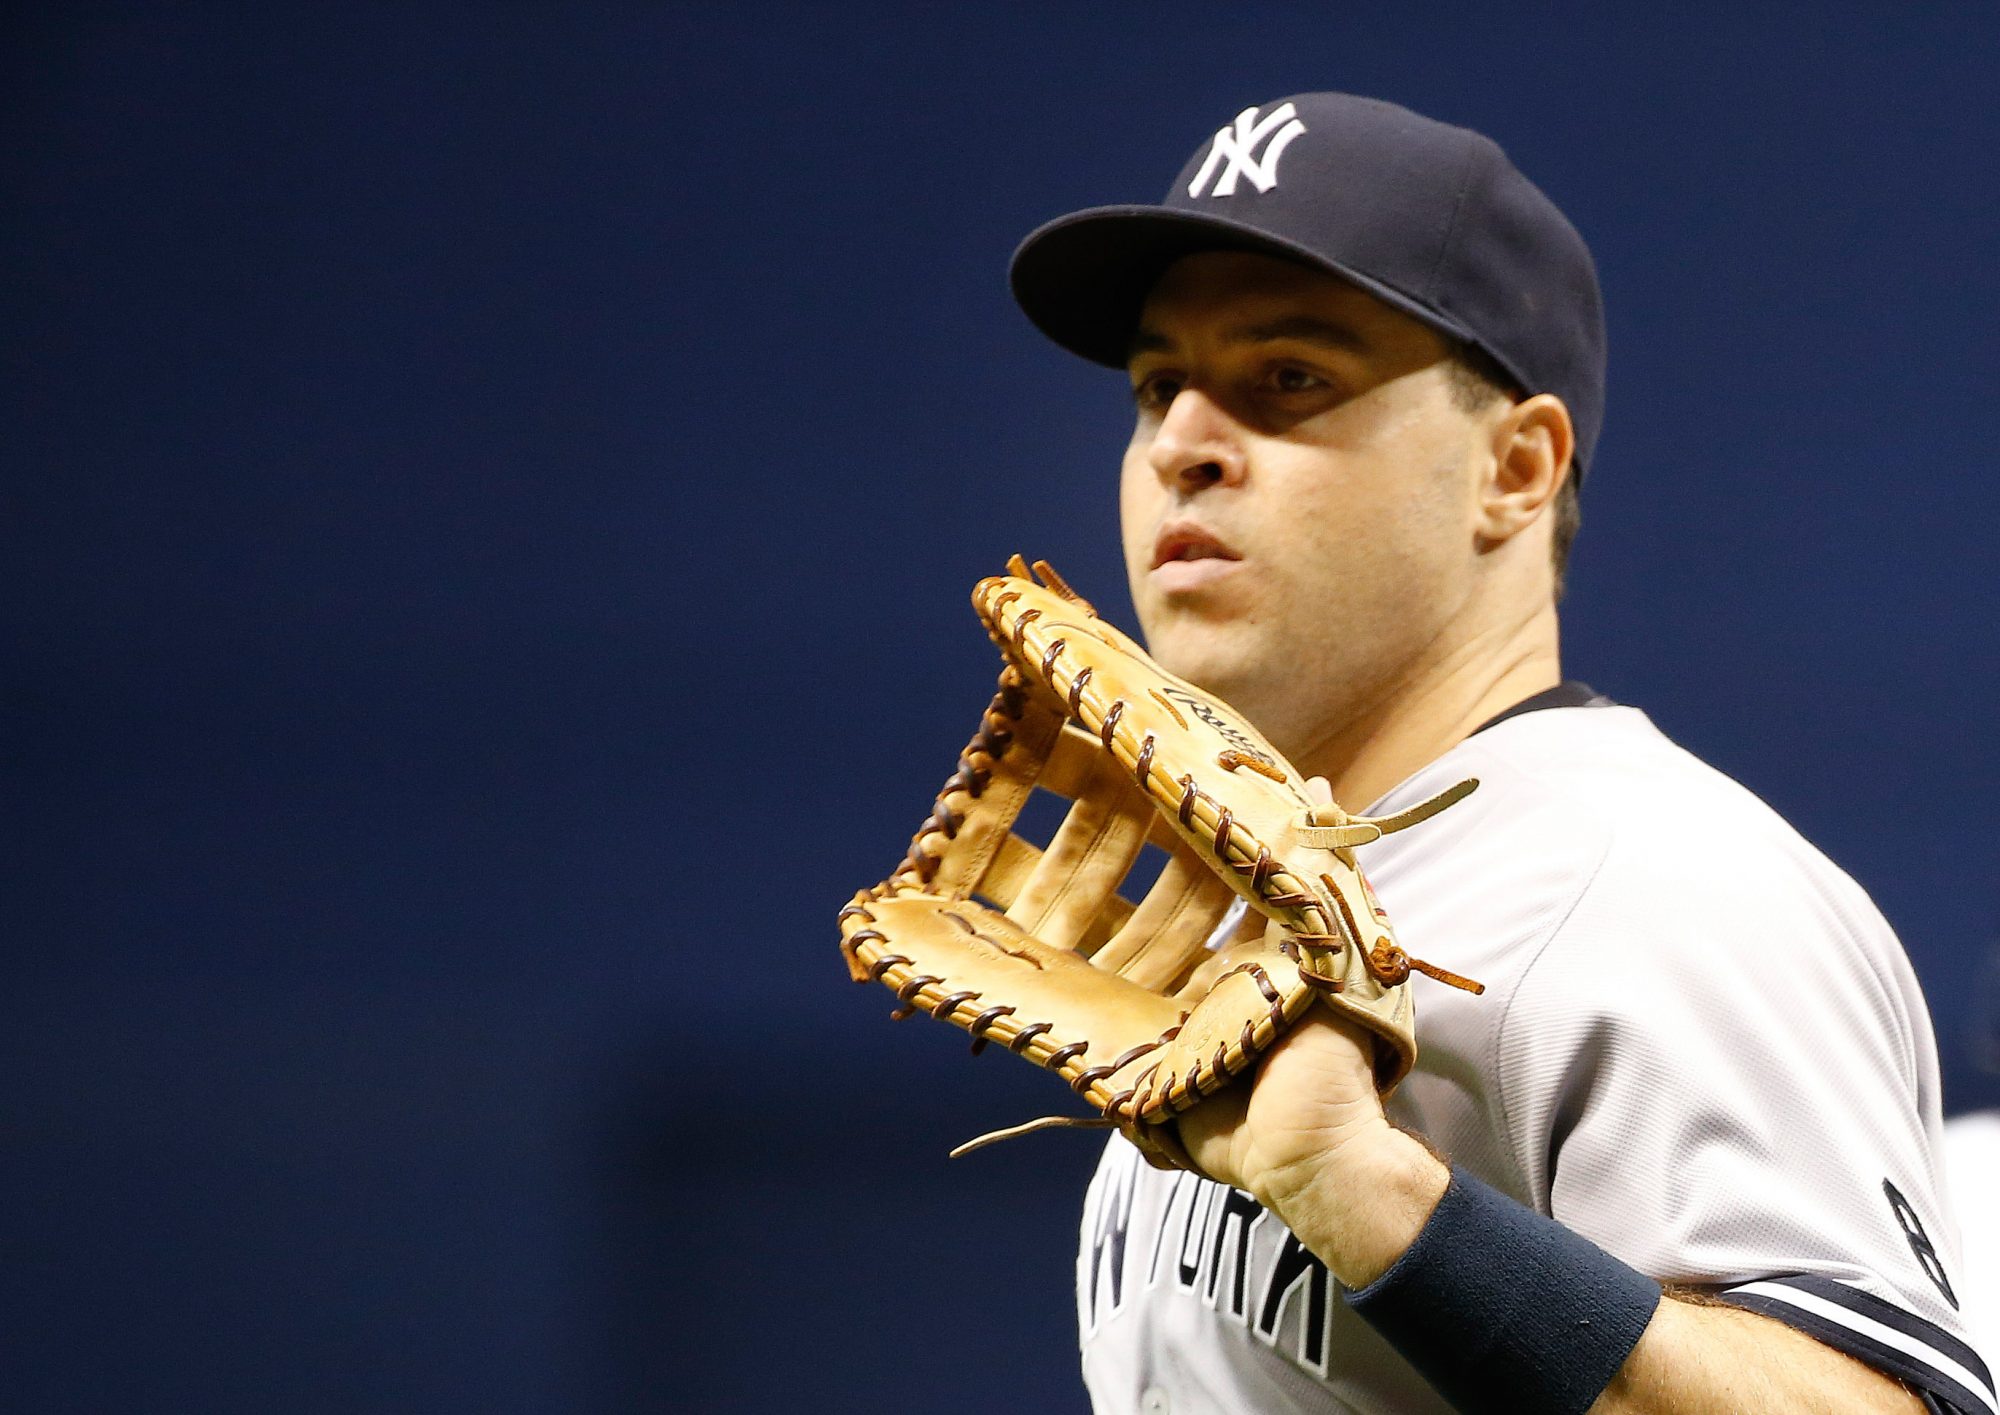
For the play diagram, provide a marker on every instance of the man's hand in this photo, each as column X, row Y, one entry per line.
column 1308, row 1140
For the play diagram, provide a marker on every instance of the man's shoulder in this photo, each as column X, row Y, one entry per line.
column 1615, row 764
column 1593, row 813
column 1608, row 782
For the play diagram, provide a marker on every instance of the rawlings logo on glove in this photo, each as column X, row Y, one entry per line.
column 1036, row 950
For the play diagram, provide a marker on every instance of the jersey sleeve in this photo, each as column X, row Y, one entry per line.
column 1720, row 1069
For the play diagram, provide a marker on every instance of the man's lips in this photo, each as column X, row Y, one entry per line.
column 1182, row 541
column 1187, row 556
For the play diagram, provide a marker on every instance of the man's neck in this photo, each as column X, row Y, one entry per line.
column 1427, row 712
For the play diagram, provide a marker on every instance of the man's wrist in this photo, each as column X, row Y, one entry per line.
column 1501, row 1308
column 1361, row 1207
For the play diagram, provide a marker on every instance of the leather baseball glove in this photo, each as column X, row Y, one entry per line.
column 1135, row 1003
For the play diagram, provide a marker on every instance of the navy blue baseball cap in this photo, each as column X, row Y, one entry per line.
column 1429, row 218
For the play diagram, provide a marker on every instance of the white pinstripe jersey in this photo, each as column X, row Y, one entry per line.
column 1700, row 1046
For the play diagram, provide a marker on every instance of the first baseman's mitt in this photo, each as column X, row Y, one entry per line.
column 1036, row 950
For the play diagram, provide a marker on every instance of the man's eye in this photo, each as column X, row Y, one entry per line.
column 1156, row 391
column 1287, row 378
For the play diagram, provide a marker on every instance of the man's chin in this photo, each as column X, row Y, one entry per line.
column 1225, row 660
column 1201, row 664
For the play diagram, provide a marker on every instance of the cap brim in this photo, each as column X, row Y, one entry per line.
column 1083, row 278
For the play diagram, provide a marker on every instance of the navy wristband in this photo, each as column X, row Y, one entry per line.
column 1501, row 1309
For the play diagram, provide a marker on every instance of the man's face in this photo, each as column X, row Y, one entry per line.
column 1298, row 496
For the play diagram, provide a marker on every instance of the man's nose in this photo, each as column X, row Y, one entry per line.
column 1197, row 444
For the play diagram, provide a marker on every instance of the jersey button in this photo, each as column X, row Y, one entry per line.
column 1155, row 1402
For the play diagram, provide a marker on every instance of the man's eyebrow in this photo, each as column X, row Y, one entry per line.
column 1299, row 328
column 1304, row 329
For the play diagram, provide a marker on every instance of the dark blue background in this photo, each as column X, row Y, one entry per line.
column 492, row 492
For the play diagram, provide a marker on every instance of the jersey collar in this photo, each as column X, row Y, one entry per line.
column 1566, row 694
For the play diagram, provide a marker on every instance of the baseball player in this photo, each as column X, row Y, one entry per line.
column 1682, row 1153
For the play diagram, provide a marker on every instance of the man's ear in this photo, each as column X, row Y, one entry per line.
column 1533, row 442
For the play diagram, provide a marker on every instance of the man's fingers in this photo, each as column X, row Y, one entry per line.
column 1208, row 1133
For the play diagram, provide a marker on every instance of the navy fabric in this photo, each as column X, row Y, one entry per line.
column 1433, row 219
column 1502, row 1309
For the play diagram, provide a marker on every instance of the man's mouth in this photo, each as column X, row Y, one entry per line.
column 1187, row 556
column 1182, row 542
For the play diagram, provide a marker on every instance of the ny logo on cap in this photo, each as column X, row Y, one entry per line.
column 1238, row 143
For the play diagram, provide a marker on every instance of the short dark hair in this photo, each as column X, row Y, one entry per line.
column 1476, row 379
